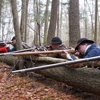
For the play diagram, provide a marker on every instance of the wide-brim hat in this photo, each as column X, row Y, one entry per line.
column 83, row 40
column 56, row 40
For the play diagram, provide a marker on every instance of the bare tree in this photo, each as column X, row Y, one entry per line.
column 23, row 19
column 46, row 22
column 37, row 40
column 26, row 30
column 53, row 20
column 58, row 32
column 74, row 27
column 0, row 12
column 96, row 16
column 16, row 24
column 0, row 9
column 23, row 26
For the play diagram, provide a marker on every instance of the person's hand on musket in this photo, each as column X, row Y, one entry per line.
column 34, row 49
column 68, row 56
column 78, row 55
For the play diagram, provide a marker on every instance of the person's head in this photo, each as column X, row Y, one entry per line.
column 82, row 45
column 55, row 42
column 13, row 40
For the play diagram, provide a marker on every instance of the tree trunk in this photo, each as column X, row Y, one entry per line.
column 53, row 20
column 58, row 31
column 23, row 19
column 0, row 12
column 81, row 78
column 46, row 22
column 85, row 21
column 17, row 29
column 96, row 19
column 16, row 24
column 60, row 23
column 37, row 23
column 74, row 28
column 26, row 29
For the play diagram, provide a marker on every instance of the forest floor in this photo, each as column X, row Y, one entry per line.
column 35, row 87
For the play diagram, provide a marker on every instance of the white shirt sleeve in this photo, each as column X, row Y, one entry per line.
column 68, row 56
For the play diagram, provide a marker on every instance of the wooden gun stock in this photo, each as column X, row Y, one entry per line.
column 42, row 52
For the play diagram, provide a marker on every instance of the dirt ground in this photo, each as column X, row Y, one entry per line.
column 35, row 87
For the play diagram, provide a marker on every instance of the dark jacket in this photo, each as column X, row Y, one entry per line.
column 60, row 47
column 13, row 49
column 92, row 51
column 24, row 45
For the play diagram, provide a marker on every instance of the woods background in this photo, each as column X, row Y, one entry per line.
column 37, row 21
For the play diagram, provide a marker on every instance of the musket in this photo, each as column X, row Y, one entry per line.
column 24, row 44
column 8, row 42
column 57, row 65
column 42, row 52
column 18, row 51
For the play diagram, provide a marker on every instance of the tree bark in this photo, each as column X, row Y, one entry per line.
column 37, row 22
column 26, row 29
column 96, row 19
column 0, row 10
column 58, row 10
column 16, row 24
column 16, row 29
column 23, row 19
column 74, row 26
column 81, row 78
column 53, row 20
column 46, row 22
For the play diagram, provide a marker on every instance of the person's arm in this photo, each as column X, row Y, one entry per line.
column 92, row 53
column 3, row 49
column 25, row 45
column 13, row 49
column 68, row 56
column 78, row 55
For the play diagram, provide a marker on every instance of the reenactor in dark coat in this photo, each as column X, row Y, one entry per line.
column 13, row 43
column 3, row 48
column 56, row 44
column 86, row 48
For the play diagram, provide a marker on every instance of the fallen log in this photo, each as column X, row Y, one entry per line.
column 85, row 79
column 67, row 63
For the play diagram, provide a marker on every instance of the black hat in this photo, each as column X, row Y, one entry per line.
column 13, row 38
column 83, row 40
column 56, row 40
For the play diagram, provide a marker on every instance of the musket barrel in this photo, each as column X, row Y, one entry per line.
column 57, row 65
column 18, row 51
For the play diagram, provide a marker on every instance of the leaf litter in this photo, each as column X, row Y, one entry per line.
column 31, row 87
